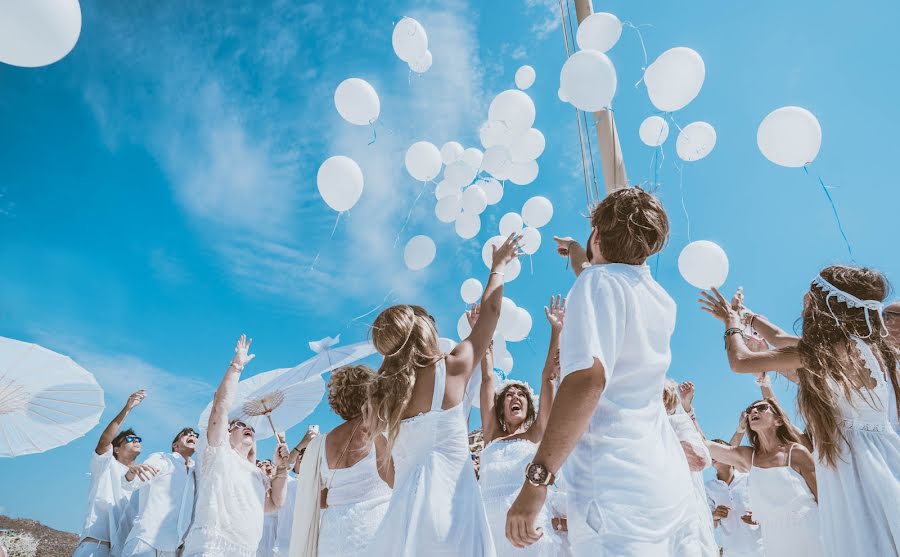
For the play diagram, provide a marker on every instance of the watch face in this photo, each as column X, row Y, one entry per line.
column 537, row 474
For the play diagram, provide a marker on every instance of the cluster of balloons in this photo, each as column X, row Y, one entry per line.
column 511, row 144
column 411, row 45
column 588, row 79
column 37, row 33
column 514, row 325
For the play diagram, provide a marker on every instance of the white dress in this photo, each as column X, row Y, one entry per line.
column 786, row 511
column 630, row 491
column 859, row 498
column 503, row 464
column 687, row 433
column 357, row 501
column 436, row 507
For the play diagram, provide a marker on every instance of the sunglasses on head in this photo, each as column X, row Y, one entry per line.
column 132, row 439
column 242, row 425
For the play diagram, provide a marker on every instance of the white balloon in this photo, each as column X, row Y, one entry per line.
column 523, row 173
column 509, row 223
column 487, row 252
column 511, row 273
column 588, row 80
column 527, row 146
column 423, row 161
column 525, row 77
column 36, row 33
column 463, row 329
column 703, row 264
column 514, row 108
column 505, row 363
column 599, row 31
column 460, row 173
column 562, row 95
column 448, row 209
column 422, row 64
column 695, row 141
column 445, row 188
column 497, row 161
column 473, row 157
column 409, row 40
column 340, row 182
column 654, row 131
column 531, row 240
column 467, row 225
column 357, row 102
column 471, row 290
column 508, row 316
column 790, row 136
column 675, row 78
column 419, row 253
column 450, row 152
column 474, row 200
column 521, row 327
column 500, row 347
column 492, row 190
column 493, row 133
column 537, row 211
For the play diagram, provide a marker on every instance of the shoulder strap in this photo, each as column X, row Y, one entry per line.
column 752, row 457
column 790, row 449
column 440, row 380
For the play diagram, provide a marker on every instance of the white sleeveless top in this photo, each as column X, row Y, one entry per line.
column 353, row 484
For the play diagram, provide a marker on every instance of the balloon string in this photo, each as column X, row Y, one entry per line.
column 643, row 47
column 531, row 263
column 683, row 205
column 333, row 230
column 371, row 311
column 374, row 133
column 835, row 211
column 408, row 215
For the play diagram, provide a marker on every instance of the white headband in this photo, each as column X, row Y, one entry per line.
column 851, row 301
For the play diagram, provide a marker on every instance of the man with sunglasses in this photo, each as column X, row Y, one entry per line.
column 164, row 485
column 107, row 499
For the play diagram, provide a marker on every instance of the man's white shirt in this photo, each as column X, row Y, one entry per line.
column 738, row 538
column 107, row 499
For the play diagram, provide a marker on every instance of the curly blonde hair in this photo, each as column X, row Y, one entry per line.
column 348, row 390
column 670, row 395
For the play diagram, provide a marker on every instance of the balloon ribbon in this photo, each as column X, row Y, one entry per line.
column 835, row 211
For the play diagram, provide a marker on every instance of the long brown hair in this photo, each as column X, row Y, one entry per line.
column 407, row 338
column 783, row 432
column 830, row 357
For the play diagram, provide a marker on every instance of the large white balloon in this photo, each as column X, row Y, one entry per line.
column 487, row 252
column 419, row 252
column 423, row 161
column 340, row 182
column 600, row 31
column 588, row 80
column 357, row 102
column 473, row 157
column 460, row 173
column 527, row 146
column 531, row 240
column 492, row 190
column 463, row 329
column 36, row 33
column 509, row 223
column 511, row 273
column 474, row 200
column 790, row 136
column 471, row 290
column 537, row 211
column 523, row 173
column 703, row 264
column 468, row 225
column 508, row 316
column 521, row 327
column 450, row 152
column 525, row 77
column 493, row 133
column 675, row 78
column 409, row 40
column 695, row 141
column 514, row 108
column 448, row 209
column 422, row 64
column 654, row 131
column 497, row 161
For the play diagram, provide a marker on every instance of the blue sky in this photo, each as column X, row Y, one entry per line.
column 157, row 193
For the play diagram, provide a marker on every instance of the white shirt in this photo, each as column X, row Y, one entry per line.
column 231, row 498
column 107, row 500
column 165, row 503
column 267, row 543
column 739, row 539
column 627, row 475
column 285, row 522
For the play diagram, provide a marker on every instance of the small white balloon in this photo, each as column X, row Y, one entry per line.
column 36, row 33
column 409, row 40
column 450, row 152
column 521, row 327
column 654, row 131
column 419, row 253
column 497, row 161
column 463, row 329
column 423, row 161
column 531, row 240
column 492, row 133
column 474, row 200
column 422, row 64
column 703, row 264
column 340, row 182
column 505, row 363
column 473, row 157
column 471, row 290
column 467, row 225
column 492, row 190
column 514, row 108
column 675, row 78
column 447, row 209
column 537, row 211
column 527, row 146
column 357, row 102
column 509, row 223
column 790, row 136
column 445, row 188
column 460, row 173
column 487, row 252
column 588, row 80
column 525, row 77
column 511, row 273
column 523, row 173
column 695, row 141
column 599, row 31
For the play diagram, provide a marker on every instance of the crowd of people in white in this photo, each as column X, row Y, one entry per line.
column 607, row 461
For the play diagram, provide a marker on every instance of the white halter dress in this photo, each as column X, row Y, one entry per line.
column 436, row 507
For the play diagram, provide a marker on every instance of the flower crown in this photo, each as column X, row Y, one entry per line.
column 851, row 301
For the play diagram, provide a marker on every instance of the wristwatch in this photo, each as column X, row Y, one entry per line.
column 538, row 475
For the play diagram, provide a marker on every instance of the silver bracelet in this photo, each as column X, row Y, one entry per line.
column 496, row 273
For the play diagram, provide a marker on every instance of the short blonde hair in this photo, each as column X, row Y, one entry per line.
column 670, row 395
column 348, row 390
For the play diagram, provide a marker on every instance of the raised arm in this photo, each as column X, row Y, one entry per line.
column 488, row 387
column 294, row 457
column 739, row 457
column 275, row 496
column 686, row 393
column 556, row 315
column 765, row 387
column 104, row 444
column 739, row 431
column 568, row 247
column 217, row 429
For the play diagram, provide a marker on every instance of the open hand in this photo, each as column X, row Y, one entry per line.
column 716, row 305
column 242, row 356
column 507, row 251
column 143, row 471
column 135, row 398
column 562, row 244
column 472, row 314
column 742, row 424
column 686, row 391
column 556, row 313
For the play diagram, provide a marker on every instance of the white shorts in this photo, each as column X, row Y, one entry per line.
column 139, row 548
column 91, row 549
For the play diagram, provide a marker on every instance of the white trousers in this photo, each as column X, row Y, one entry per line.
column 91, row 549
column 139, row 548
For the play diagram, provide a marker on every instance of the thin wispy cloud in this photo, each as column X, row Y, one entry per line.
column 548, row 17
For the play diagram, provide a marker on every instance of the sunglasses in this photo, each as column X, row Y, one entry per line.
column 190, row 433
column 242, row 425
column 132, row 439
column 764, row 407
